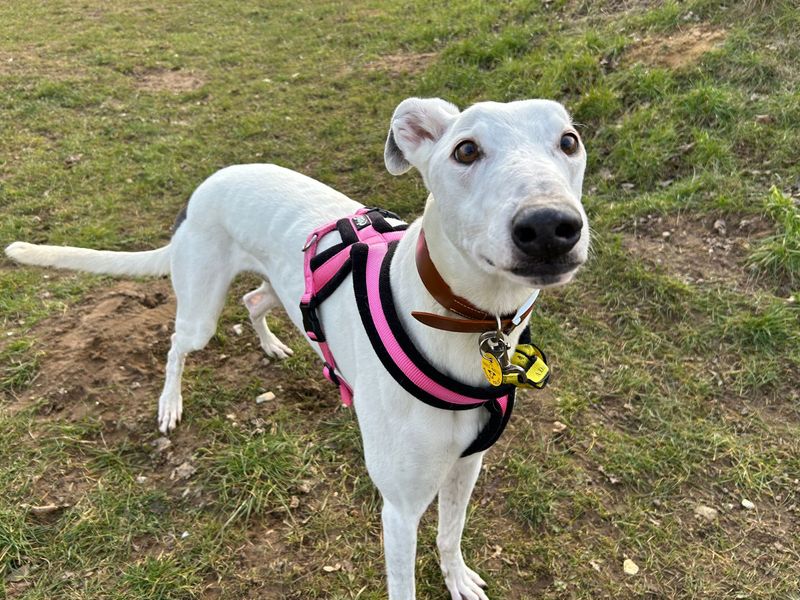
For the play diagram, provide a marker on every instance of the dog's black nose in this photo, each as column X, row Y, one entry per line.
column 546, row 232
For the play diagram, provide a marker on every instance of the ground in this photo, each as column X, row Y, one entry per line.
column 663, row 461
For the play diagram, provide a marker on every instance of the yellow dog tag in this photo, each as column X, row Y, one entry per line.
column 492, row 369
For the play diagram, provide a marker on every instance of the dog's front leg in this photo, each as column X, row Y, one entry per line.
column 400, row 524
column 462, row 582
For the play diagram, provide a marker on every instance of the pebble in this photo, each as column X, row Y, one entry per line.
column 238, row 329
column 706, row 512
column 183, row 471
column 630, row 567
column 747, row 504
column 265, row 397
column 161, row 444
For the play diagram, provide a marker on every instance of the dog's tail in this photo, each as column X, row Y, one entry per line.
column 106, row 262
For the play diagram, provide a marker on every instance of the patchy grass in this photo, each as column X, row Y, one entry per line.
column 675, row 369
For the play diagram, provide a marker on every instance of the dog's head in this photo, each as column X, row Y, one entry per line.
column 506, row 180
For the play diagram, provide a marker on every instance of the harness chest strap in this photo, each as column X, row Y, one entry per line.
column 368, row 243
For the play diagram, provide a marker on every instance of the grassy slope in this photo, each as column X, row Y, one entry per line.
column 674, row 394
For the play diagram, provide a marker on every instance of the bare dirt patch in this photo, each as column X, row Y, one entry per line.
column 698, row 251
column 402, row 64
column 677, row 50
column 174, row 82
column 116, row 338
column 105, row 356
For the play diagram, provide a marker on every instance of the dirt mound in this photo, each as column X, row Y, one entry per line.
column 115, row 339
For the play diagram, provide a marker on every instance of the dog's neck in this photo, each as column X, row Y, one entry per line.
column 454, row 353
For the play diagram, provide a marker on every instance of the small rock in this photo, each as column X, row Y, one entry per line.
column 161, row 443
column 630, row 567
column 265, row 397
column 666, row 234
column 332, row 568
column 238, row 329
column 720, row 227
column 706, row 512
column 184, row 535
column 558, row 427
column 294, row 502
column 73, row 160
column 141, row 479
column 183, row 471
column 627, row 186
column 747, row 504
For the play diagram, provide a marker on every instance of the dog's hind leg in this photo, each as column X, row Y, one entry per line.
column 462, row 582
column 201, row 281
column 258, row 303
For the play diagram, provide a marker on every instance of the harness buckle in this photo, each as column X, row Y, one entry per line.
column 311, row 322
column 330, row 375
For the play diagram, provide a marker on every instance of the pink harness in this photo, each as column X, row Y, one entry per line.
column 368, row 243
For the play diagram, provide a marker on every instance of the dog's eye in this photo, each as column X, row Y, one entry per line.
column 467, row 152
column 569, row 143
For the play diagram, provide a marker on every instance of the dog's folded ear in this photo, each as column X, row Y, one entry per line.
column 417, row 124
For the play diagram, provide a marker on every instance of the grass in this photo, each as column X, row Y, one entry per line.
column 675, row 369
column 779, row 255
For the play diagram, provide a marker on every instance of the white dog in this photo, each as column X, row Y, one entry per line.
column 504, row 217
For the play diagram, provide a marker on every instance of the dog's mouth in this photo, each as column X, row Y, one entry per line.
column 541, row 273
column 547, row 274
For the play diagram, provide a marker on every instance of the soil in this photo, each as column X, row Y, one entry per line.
column 175, row 82
column 698, row 251
column 678, row 50
column 402, row 64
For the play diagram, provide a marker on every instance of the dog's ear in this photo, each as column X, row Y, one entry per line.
column 417, row 124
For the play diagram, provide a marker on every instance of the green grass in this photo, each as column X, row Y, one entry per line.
column 779, row 255
column 675, row 392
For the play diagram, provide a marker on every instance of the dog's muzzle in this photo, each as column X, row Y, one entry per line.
column 546, row 233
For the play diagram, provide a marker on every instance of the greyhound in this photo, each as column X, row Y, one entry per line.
column 503, row 218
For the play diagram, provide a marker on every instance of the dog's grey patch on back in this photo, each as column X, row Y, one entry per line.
column 180, row 218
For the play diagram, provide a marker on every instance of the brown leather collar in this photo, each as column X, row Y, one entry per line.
column 474, row 319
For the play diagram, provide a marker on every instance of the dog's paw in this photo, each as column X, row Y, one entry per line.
column 464, row 584
column 276, row 348
column 169, row 413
